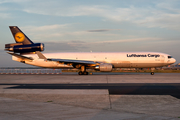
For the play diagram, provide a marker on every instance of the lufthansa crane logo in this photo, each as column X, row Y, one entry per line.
column 19, row 37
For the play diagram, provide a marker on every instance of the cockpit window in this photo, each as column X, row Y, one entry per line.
column 169, row 56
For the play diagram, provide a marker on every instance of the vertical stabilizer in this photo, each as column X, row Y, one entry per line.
column 19, row 36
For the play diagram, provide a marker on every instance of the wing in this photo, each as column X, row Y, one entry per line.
column 71, row 62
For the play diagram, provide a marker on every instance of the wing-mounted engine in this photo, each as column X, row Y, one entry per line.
column 104, row 67
column 20, row 48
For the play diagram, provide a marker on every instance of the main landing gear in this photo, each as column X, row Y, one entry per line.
column 83, row 71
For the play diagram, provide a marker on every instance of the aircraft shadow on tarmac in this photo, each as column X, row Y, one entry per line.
column 172, row 89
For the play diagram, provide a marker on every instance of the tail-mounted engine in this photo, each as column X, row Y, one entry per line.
column 20, row 48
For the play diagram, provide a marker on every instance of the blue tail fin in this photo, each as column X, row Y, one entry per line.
column 19, row 36
column 23, row 43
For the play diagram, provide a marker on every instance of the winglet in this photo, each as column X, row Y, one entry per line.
column 40, row 55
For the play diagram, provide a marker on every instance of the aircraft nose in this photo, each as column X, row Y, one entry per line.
column 173, row 60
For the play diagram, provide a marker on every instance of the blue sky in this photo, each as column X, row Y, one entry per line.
column 96, row 25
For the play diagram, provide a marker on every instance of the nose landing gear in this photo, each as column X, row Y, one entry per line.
column 152, row 71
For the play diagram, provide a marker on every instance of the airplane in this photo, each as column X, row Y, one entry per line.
column 25, row 51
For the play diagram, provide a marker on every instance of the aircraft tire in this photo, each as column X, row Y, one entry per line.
column 80, row 73
column 152, row 73
column 85, row 73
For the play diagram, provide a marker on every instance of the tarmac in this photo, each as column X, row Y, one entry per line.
column 117, row 96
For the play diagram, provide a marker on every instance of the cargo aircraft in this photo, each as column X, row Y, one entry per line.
column 25, row 51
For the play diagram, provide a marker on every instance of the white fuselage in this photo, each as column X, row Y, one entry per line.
column 117, row 59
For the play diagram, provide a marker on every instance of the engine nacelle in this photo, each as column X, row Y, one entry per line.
column 105, row 67
column 25, row 48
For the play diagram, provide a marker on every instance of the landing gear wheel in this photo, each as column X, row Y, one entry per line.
column 85, row 73
column 152, row 73
column 80, row 73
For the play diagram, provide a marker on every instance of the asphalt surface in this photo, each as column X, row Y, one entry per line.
column 99, row 96
column 114, row 89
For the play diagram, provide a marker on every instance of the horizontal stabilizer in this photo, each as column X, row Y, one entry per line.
column 20, row 56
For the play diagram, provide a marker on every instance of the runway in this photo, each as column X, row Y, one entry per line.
column 99, row 96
